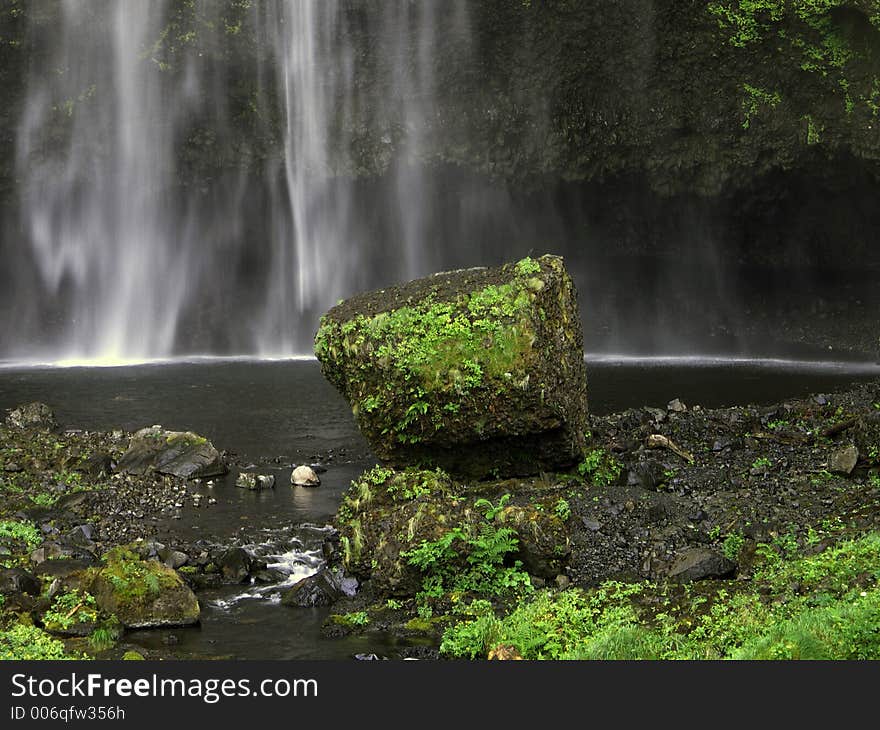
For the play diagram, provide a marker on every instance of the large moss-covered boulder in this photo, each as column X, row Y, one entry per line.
column 478, row 371
column 140, row 593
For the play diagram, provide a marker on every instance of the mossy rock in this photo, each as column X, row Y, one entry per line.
column 385, row 513
column 544, row 543
column 179, row 453
column 478, row 371
column 141, row 593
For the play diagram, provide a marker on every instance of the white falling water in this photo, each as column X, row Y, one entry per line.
column 310, row 247
column 134, row 265
column 99, row 215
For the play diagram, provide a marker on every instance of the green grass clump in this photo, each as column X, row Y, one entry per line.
column 355, row 619
column 599, row 467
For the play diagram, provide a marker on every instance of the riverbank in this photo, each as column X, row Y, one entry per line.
column 682, row 533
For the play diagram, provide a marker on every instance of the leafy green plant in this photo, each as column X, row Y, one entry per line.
column 355, row 619
column 778, row 424
column 19, row 531
column 551, row 626
column 599, row 467
column 527, row 267
column 69, row 609
column 105, row 636
column 469, row 558
column 26, row 642
column 732, row 545
column 562, row 510
column 490, row 510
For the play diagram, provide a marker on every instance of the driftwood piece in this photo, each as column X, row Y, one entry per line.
column 659, row 441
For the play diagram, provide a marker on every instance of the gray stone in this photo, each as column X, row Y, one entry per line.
column 63, row 567
column 304, row 476
column 32, row 415
column 16, row 580
column 320, row 589
column 178, row 453
column 647, row 474
column 676, row 406
column 699, row 563
column 172, row 558
column 844, row 460
column 235, row 565
column 255, row 482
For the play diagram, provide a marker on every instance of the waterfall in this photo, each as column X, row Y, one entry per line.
column 98, row 210
column 135, row 255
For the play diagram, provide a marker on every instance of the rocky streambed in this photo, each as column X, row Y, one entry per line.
column 693, row 508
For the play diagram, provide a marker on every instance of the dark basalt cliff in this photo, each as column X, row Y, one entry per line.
column 700, row 97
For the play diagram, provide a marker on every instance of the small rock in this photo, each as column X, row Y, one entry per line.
column 320, row 589
column 657, row 414
column 16, row 580
column 63, row 567
column 255, row 482
column 843, row 461
column 591, row 525
column 32, row 415
column 304, row 476
column 235, row 564
column 647, row 474
column 173, row 558
column 698, row 563
column 562, row 581
column 676, row 406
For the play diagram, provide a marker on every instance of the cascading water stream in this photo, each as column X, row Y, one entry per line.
column 207, row 178
column 133, row 259
column 99, row 211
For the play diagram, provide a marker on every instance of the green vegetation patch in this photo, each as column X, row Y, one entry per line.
column 135, row 583
column 812, row 36
column 70, row 609
column 599, row 467
column 18, row 531
column 824, row 606
column 26, row 642
column 470, row 558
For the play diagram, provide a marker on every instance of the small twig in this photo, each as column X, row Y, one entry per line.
column 659, row 441
column 73, row 610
